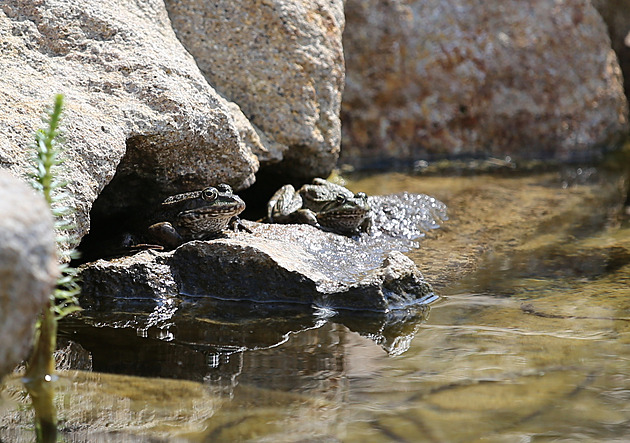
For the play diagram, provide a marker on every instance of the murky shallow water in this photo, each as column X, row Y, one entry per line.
column 534, row 345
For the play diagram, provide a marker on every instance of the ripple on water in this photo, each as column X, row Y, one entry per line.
column 405, row 217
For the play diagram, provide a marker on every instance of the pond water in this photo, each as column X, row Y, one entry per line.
column 530, row 340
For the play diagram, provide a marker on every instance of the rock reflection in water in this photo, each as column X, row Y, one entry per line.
column 226, row 343
column 393, row 331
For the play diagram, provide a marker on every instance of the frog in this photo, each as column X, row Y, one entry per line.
column 196, row 215
column 323, row 204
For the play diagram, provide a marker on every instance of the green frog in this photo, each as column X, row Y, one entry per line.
column 196, row 215
column 322, row 204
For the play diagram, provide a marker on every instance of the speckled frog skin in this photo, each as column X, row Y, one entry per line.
column 322, row 204
column 195, row 215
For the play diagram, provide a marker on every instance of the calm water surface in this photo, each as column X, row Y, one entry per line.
column 533, row 346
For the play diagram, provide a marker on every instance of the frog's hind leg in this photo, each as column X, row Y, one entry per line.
column 165, row 234
column 306, row 217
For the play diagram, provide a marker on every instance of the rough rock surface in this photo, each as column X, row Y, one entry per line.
column 27, row 267
column 294, row 264
column 430, row 78
column 282, row 62
column 616, row 14
column 135, row 100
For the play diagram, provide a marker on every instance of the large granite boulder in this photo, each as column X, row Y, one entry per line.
column 137, row 104
column 616, row 14
column 282, row 62
column 431, row 78
column 27, row 267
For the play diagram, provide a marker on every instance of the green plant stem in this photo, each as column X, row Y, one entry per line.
column 39, row 377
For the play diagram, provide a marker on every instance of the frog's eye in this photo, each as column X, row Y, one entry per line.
column 361, row 195
column 210, row 194
column 341, row 199
column 225, row 189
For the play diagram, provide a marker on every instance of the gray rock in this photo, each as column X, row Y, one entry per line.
column 28, row 267
column 282, row 62
column 293, row 264
column 497, row 78
column 137, row 104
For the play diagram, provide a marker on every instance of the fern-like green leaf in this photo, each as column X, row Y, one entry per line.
column 47, row 179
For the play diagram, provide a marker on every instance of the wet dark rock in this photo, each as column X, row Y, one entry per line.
column 265, row 268
column 291, row 264
column 211, row 301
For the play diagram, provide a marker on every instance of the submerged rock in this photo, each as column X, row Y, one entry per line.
column 27, row 267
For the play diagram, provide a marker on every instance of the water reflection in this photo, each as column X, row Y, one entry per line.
column 223, row 342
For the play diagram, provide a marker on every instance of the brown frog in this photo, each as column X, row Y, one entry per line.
column 196, row 215
column 322, row 204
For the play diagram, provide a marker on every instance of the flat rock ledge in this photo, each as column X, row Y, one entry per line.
column 284, row 264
